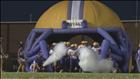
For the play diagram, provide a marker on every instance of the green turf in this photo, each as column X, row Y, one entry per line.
column 14, row 75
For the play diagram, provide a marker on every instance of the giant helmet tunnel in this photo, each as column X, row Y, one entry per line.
column 75, row 21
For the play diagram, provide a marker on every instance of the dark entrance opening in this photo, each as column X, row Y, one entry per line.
column 77, row 37
column 74, row 38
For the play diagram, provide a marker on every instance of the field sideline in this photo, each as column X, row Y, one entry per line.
column 43, row 75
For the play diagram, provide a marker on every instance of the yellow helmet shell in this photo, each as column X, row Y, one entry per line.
column 94, row 12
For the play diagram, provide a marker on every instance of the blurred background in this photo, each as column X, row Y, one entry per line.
column 19, row 17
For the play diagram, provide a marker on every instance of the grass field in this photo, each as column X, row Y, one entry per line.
column 14, row 75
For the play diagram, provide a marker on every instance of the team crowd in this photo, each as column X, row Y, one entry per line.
column 69, row 63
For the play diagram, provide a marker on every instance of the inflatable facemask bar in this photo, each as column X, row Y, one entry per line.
column 119, row 43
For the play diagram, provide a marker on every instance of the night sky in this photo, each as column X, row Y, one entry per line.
column 24, row 10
